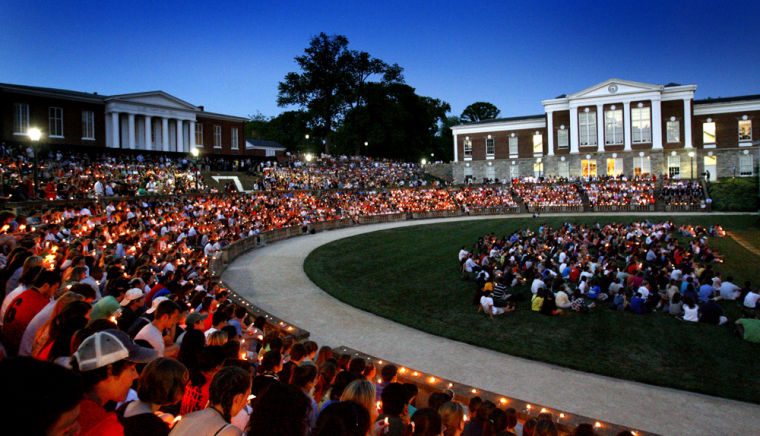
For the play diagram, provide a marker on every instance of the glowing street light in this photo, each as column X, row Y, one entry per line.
column 35, row 134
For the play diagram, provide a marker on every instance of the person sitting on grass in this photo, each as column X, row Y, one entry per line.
column 487, row 306
column 690, row 309
column 748, row 329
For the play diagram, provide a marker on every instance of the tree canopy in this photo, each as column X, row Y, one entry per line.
column 479, row 111
column 331, row 82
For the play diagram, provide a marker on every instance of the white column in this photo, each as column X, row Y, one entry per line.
column 550, row 131
column 656, row 125
column 148, row 133
column 165, row 133
column 573, row 130
column 131, row 132
column 192, row 135
column 600, row 128
column 115, row 130
column 687, row 123
column 456, row 157
column 180, row 142
column 627, row 125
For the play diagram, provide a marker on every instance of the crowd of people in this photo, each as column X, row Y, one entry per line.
column 139, row 341
column 620, row 192
column 681, row 192
column 641, row 267
column 548, row 194
column 341, row 172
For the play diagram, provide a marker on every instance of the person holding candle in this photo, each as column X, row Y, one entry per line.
column 228, row 394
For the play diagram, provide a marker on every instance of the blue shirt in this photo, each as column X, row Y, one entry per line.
column 705, row 291
column 637, row 305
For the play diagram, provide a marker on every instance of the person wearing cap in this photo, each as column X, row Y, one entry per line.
column 165, row 318
column 131, row 307
column 106, row 361
column 106, row 308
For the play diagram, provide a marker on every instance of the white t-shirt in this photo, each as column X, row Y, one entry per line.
column 536, row 285
column 729, row 291
column 691, row 314
column 9, row 299
column 751, row 299
column 153, row 336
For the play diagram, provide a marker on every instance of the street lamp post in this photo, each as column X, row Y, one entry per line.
column 195, row 154
column 691, row 155
column 308, row 157
column 35, row 134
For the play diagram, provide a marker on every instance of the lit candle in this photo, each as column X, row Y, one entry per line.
column 176, row 420
column 386, row 420
column 598, row 424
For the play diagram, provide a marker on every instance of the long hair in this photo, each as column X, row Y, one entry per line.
column 361, row 392
column 282, row 410
column 69, row 305
column 452, row 415
column 229, row 382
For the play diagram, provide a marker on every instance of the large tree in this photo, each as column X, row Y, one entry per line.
column 395, row 123
column 288, row 129
column 331, row 82
column 479, row 111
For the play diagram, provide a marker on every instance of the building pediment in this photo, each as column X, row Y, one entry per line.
column 615, row 87
column 153, row 98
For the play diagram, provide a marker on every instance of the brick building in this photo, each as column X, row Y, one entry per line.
column 151, row 121
column 613, row 128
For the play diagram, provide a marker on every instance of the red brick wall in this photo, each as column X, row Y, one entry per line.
column 208, row 135
column 38, row 117
column 726, row 128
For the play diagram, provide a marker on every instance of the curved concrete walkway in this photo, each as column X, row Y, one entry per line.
column 273, row 278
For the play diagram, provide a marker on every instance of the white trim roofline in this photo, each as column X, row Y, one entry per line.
column 168, row 96
column 532, row 123
column 726, row 107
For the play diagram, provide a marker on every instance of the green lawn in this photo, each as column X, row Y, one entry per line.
column 410, row 275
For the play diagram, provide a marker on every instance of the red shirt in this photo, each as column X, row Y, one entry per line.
column 153, row 291
column 19, row 315
column 195, row 398
column 95, row 421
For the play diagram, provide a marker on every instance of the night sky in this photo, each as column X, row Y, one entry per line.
column 229, row 56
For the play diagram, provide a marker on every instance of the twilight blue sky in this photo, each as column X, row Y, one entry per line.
column 229, row 56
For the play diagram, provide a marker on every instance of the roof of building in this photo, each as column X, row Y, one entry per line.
column 262, row 143
column 728, row 99
column 63, row 92
column 501, row 120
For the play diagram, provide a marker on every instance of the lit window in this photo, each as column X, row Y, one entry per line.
column 587, row 128
column 641, row 166
column 538, row 169
column 673, row 131
column 641, row 125
column 217, row 136
column 234, row 141
column 490, row 149
column 55, row 117
column 613, row 126
column 513, row 145
column 538, row 144
column 562, row 138
column 674, row 167
column 745, row 130
column 588, row 167
column 615, row 166
column 199, row 134
column 20, row 118
column 88, row 125
column 708, row 133
column 467, row 148
column 746, row 165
